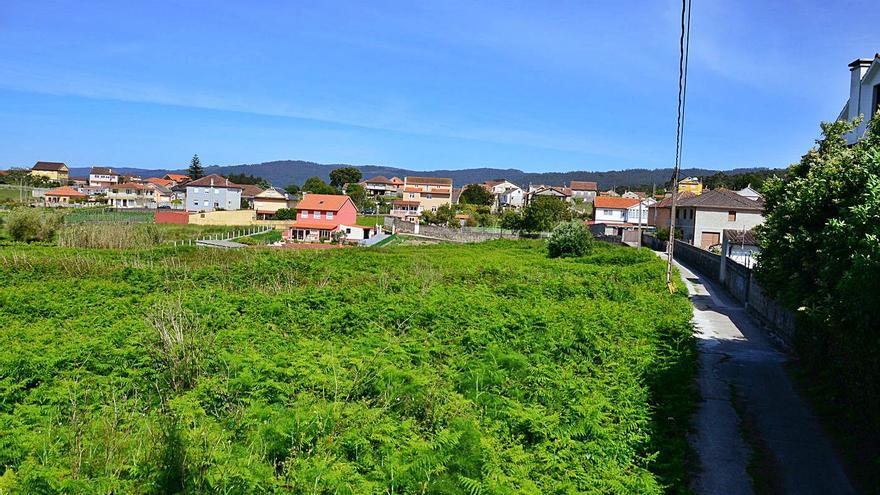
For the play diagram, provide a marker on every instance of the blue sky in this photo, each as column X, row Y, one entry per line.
column 540, row 86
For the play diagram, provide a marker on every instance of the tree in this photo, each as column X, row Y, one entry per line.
column 475, row 194
column 317, row 186
column 292, row 189
column 345, row 175
column 820, row 256
column 195, row 171
column 543, row 213
column 511, row 220
column 285, row 214
column 569, row 239
column 249, row 179
column 358, row 195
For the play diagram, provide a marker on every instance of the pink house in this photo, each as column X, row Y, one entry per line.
column 318, row 215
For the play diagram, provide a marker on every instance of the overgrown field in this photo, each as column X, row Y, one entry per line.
column 442, row 369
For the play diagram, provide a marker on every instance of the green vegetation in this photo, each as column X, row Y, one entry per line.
column 369, row 220
column 317, row 186
column 31, row 224
column 476, row 194
column 445, row 369
column 109, row 235
column 285, row 214
column 569, row 239
column 195, row 171
column 821, row 257
column 103, row 214
column 345, row 175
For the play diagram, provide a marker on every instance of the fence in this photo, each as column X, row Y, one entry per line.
column 226, row 236
column 739, row 282
column 463, row 234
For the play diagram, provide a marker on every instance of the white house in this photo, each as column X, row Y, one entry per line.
column 212, row 192
column 585, row 190
column 864, row 94
column 102, row 176
column 639, row 209
column 748, row 192
column 506, row 193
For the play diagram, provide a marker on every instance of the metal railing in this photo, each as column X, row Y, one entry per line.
column 226, row 236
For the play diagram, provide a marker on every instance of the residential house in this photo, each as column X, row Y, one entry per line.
column 102, row 176
column 740, row 246
column 407, row 210
column 212, row 192
column 633, row 195
column 128, row 195
column 612, row 213
column 611, row 193
column 157, row 194
column 381, row 186
column 691, row 184
column 177, row 179
column 748, row 192
column 319, row 216
column 429, row 192
column 63, row 196
column 268, row 202
column 864, row 95
column 562, row 193
column 160, row 182
column 585, row 190
column 54, row 171
column 248, row 193
column 658, row 213
column 702, row 218
column 78, row 181
column 506, row 194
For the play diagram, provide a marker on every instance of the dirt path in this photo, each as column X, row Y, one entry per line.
column 752, row 432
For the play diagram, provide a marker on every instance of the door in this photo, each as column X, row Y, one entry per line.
column 708, row 239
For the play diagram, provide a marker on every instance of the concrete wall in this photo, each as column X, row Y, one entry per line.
column 742, row 285
column 234, row 217
column 443, row 233
column 716, row 221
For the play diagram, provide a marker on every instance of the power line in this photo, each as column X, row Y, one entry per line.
column 684, row 43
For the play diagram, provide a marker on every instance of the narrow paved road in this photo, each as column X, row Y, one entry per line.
column 750, row 413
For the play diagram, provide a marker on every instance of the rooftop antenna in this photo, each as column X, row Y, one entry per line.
column 683, row 50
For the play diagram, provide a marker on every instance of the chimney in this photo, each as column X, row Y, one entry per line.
column 857, row 70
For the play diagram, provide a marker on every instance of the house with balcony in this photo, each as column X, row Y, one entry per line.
column 212, row 192
column 428, row 194
column 381, row 186
column 128, row 195
column 64, row 196
column 864, row 95
column 611, row 215
column 102, row 176
column 54, row 171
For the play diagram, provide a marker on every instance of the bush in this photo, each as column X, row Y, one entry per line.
column 570, row 239
column 31, row 224
column 285, row 214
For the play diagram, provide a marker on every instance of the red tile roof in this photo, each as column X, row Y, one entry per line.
column 323, row 202
column 158, row 181
column 614, row 203
column 177, row 177
column 65, row 191
column 213, row 180
column 580, row 185
column 306, row 224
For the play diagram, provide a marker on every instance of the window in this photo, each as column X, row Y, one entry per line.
column 876, row 103
column 216, row 191
column 412, row 195
column 428, row 196
column 329, row 215
column 316, row 214
column 731, row 216
column 196, row 190
column 305, row 214
column 434, row 209
column 608, row 212
column 196, row 203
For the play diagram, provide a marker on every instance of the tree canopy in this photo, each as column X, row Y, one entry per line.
column 318, row 186
column 543, row 213
column 248, row 179
column 344, row 175
column 820, row 255
column 475, row 194
column 195, row 171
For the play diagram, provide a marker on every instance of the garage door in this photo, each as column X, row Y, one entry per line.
column 709, row 239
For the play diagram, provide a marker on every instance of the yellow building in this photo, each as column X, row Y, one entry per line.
column 54, row 171
column 690, row 184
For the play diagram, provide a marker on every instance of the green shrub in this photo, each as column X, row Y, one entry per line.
column 32, row 224
column 569, row 239
column 285, row 214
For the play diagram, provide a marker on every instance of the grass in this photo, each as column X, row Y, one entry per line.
column 446, row 369
column 369, row 220
column 101, row 214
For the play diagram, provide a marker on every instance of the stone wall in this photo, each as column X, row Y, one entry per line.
column 463, row 234
column 739, row 281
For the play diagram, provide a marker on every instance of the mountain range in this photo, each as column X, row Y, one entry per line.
column 283, row 172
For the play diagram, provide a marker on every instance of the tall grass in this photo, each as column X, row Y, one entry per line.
column 109, row 236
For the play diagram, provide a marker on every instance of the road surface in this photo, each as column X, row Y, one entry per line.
column 751, row 423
